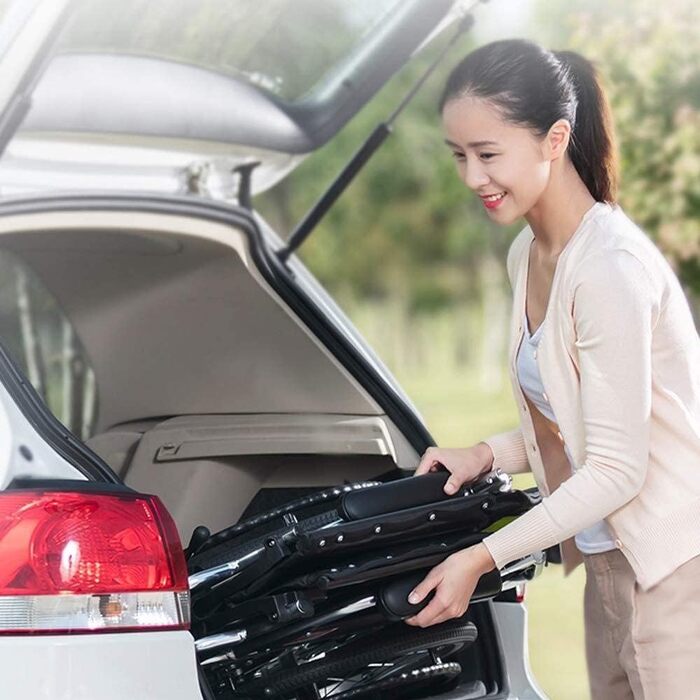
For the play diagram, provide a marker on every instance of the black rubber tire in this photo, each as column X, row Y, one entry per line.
column 443, row 671
column 360, row 653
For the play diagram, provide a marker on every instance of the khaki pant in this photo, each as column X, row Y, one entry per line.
column 641, row 644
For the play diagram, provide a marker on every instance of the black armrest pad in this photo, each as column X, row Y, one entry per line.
column 395, row 495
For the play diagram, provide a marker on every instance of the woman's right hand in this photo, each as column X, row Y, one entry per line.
column 464, row 464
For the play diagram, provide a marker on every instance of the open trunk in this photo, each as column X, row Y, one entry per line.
column 196, row 358
column 213, row 388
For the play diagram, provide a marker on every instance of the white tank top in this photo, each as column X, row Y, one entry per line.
column 596, row 538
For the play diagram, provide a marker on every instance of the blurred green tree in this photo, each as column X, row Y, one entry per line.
column 649, row 55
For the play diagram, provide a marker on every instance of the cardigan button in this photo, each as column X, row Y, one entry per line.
column 534, row 354
column 544, row 396
column 533, row 447
column 618, row 544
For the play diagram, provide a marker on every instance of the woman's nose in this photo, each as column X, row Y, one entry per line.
column 474, row 176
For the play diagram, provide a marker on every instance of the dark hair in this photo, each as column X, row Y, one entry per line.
column 534, row 87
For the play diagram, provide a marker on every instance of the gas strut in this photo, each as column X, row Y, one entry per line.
column 365, row 152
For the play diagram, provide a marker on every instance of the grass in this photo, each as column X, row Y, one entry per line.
column 557, row 657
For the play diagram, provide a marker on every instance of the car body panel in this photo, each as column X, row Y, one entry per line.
column 138, row 666
column 512, row 626
column 24, row 452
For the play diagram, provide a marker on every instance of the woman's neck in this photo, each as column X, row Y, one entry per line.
column 558, row 212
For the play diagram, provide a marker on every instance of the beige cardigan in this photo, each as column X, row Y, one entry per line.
column 619, row 359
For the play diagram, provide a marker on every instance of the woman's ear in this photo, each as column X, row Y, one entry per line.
column 557, row 138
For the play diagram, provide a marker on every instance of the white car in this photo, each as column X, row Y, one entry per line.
column 200, row 370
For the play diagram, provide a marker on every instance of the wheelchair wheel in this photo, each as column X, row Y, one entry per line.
column 404, row 682
column 401, row 641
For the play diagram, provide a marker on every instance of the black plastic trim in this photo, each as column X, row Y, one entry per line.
column 68, row 485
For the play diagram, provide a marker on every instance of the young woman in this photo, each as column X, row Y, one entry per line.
column 605, row 366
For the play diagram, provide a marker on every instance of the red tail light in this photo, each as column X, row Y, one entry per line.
column 81, row 562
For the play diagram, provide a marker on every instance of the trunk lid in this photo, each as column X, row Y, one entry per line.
column 144, row 95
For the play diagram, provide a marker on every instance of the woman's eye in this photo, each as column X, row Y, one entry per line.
column 487, row 155
column 458, row 156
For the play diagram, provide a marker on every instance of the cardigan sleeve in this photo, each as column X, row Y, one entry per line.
column 509, row 452
column 614, row 309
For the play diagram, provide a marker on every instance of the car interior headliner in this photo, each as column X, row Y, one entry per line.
column 176, row 320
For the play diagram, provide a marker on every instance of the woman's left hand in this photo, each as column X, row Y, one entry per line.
column 454, row 581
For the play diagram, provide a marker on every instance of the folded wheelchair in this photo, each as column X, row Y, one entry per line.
column 307, row 600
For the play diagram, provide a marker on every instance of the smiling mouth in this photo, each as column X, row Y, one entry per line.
column 493, row 197
column 494, row 201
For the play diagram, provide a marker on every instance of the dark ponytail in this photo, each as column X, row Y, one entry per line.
column 534, row 87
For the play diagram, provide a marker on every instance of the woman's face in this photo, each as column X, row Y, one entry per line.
column 495, row 157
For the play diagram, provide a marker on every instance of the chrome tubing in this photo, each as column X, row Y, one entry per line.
column 222, row 571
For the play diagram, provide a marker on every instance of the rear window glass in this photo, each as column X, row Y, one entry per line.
column 41, row 339
column 284, row 46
